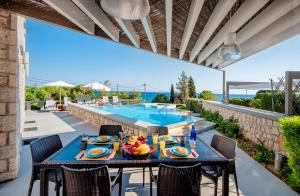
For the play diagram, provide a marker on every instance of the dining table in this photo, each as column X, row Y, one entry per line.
column 67, row 157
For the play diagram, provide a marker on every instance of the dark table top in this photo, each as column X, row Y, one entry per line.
column 66, row 156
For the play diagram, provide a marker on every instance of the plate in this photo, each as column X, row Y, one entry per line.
column 97, row 139
column 171, row 138
column 173, row 151
column 105, row 151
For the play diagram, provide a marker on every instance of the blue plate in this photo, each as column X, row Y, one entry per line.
column 171, row 139
column 173, row 151
column 97, row 139
column 104, row 153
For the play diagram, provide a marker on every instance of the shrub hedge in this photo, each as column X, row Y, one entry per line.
column 192, row 104
column 240, row 101
column 229, row 126
column 290, row 127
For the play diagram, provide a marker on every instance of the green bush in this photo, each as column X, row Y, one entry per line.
column 262, row 154
column 240, row 101
column 229, row 126
column 290, row 127
column 207, row 95
column 192, row 104
column 180, row 107
column 35, row 106
column 160, row 98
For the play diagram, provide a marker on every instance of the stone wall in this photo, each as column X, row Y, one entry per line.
column 12, row 36
column 97, row 119
column 255, row 125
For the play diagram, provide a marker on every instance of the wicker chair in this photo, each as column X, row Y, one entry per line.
column 177, row 181
column 90, row 182
column 226, row 147
column 40, row 150
column 111, row 130
column 155, row 130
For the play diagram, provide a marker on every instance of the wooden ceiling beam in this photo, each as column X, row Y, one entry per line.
column 169, row 5
column 242, row 15
column 129, row 30
column 195, row 9
column 68, row 9
column 91, row 8
column 219, row 13
column 149, row 32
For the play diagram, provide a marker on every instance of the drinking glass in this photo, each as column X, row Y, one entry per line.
column 192, row 144
column 162, row 144
column 116, row 145
column 122, row 135
column 85, row 138
column 154, row 138
column 165, row 137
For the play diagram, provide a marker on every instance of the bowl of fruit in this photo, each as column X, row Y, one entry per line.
column 137, row 147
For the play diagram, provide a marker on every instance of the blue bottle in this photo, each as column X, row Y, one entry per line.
column 193, row 135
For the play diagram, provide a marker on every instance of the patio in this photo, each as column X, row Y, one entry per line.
column 251, row 175
column 194, row 31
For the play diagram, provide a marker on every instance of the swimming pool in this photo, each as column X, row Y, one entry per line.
column 151, row 113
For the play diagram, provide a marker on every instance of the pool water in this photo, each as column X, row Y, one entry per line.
column 154, row 115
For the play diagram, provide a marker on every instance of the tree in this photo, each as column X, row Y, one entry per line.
column 182, row 86
column 160, row 98
column 207, row 95
column 192, row 88
column 172, row 94
column 41, row 94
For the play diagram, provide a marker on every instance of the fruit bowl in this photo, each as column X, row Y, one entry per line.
column 137, row 151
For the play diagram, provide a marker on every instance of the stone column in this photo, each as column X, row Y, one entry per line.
column 12, row 40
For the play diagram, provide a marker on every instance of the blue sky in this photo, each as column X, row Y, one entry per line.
column 61, row 54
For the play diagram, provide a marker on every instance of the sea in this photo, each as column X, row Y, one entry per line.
column 150, row 96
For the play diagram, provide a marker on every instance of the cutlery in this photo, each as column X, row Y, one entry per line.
column 81, row 155
column 194, row 154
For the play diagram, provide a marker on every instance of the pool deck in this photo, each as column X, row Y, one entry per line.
column 254, row 179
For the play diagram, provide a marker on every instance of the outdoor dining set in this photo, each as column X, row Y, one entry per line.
column 82, row 167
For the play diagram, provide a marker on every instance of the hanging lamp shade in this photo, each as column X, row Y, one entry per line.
column 126, row 9
column 230, row 50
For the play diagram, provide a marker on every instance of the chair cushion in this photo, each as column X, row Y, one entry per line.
column 211, row 171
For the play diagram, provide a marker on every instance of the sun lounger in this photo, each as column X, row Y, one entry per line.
column 105, row 100
column 115, row 100
column 50, row 105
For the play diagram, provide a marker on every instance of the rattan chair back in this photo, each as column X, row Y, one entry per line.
column 224, row 145
column 111, row 130
column 44, row 147
column 91, row 182
column 179, row 181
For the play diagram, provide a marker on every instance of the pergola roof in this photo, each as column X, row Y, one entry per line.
column 190, row 30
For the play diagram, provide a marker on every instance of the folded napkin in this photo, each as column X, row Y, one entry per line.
column 82, row 157
column 166, row 152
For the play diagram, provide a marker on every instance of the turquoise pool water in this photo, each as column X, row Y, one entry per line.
column 148, row 114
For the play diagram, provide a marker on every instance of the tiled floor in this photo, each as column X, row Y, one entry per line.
column 253, row 178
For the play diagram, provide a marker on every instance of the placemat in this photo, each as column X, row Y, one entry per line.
column 82, row 157
column 167, row 154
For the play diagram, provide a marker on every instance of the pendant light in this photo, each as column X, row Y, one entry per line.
column 126, row 9
column 230, row 51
